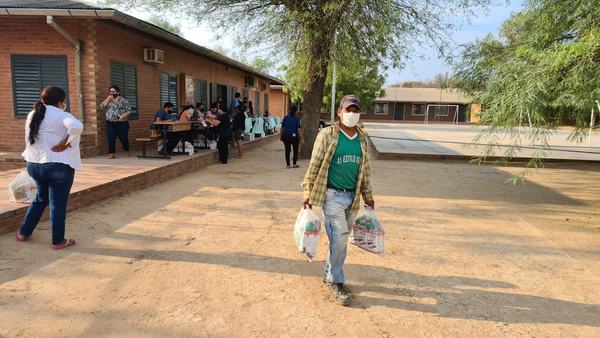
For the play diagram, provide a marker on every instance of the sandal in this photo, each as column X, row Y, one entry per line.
column 295, row 166
column 21, row 238
column 65, row 244
column 287, row 167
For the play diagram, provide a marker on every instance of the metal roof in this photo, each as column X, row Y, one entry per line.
column 69, row 8
column 425, row 95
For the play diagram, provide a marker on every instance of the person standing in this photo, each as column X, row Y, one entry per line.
column 52, row 154
column 338, row 174
column 291, row 135
column 223, row 125
column 239, row 125
column 117, row 124
column 233, row 106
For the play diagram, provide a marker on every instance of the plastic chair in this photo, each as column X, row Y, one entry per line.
column 259, row 126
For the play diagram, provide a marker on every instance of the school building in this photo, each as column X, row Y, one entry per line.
column 85, row 49
column 419, row 104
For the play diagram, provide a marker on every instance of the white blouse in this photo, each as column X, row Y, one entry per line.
column 54, row 127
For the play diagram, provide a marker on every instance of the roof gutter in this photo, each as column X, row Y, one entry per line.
column 77, row 44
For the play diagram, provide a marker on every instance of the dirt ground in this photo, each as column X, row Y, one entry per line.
column 212, row 254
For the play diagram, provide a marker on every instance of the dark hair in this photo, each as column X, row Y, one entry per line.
column 168, row 105
column 237, row 95
column 52, row 96
column 293, row 110
column 115, row 88
column 198, row 104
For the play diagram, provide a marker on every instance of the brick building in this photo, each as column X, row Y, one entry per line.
column 411, row 105
column 279, row 102
column 41, row 40
column 420, row 104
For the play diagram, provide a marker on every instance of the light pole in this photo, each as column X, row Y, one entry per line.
column 333, row 82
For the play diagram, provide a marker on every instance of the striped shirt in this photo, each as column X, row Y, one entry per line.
column 315, row 180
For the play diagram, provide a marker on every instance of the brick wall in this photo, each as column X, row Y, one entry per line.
column 124, row 44
column 32, row 36
column 278, row 103
column 104, row 40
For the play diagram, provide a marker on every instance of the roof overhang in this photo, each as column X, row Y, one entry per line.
column 112, row 14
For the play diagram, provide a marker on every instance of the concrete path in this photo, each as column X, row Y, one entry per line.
column 448, row 141
column 211, row 254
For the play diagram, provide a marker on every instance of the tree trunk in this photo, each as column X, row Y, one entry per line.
column 313, row 98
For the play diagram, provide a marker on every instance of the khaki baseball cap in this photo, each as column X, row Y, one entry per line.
column 349, row 100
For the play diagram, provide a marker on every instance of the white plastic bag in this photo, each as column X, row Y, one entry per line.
column 212, row 145
column 367, row 232
column 22, row 189
column 307, row 232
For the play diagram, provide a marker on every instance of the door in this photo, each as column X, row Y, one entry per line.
column 399, row 111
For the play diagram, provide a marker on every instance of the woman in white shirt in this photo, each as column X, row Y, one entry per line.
column 52, row 154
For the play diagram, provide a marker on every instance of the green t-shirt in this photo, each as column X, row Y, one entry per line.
column 345, row 163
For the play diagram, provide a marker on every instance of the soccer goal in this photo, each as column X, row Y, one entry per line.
column 442, row 110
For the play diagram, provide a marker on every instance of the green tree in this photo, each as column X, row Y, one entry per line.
column 543, row 70
column 165, row 24
column 380, row 30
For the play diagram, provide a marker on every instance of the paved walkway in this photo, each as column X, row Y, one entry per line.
column 211, row 254
column 457, row 141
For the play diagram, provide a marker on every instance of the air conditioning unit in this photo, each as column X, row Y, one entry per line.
column 152, row 55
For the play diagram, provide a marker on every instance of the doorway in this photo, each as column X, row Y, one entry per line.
column 399, row 111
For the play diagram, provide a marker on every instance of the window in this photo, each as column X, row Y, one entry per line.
column 245, row 93
column 124, row 76
column 31, row 74
column 418, row 110
column 201, row 92
column 168, row 88
column 381, row 108
column 441, row 110
column 266, row 102
column 256, row 102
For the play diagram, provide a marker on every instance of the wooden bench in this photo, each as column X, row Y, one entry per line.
column 146, row 140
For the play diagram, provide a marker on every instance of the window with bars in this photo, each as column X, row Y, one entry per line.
column 201, row 92
column 31, row 74
column 256, row 102
column 168, row 88
column 418, row 109
column 381, row 109
column 266, row 102
column 124, row 76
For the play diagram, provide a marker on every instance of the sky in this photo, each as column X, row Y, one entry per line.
column 482, row 23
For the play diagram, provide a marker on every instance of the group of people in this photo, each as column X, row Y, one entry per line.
column 223, row 124
column 337, row 176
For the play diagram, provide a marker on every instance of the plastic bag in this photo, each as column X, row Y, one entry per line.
column 367, row 232
column 22, row 189
column 307, row 232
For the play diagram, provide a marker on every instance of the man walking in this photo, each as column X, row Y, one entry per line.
column 338, row 174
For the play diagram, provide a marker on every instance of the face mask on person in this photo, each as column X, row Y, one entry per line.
column 350, row 119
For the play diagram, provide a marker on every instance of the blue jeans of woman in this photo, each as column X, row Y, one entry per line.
column 53, row 181
column 338, row 221
column 118, row 129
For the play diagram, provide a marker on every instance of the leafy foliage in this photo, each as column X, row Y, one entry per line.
column 543, row 71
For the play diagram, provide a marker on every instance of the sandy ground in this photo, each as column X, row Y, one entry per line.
column 212, row 254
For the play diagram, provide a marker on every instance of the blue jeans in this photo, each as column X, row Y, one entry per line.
column 118, row 129
column 53, row 181
column 338, row 223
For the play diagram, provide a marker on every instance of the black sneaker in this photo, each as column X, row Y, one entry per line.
column 340, row 293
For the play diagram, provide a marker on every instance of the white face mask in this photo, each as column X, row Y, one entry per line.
column 350, row 119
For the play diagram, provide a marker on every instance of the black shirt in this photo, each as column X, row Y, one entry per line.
column 224, row 127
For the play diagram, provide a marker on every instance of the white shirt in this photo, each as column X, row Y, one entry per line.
column 54, row 127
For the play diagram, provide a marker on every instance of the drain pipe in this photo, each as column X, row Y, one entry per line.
column 77, row 44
